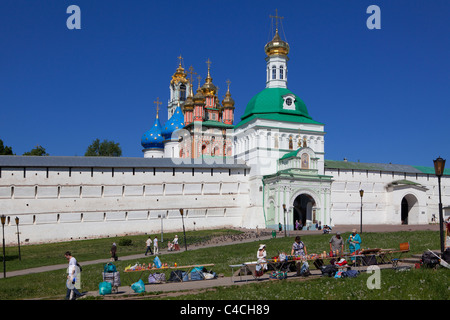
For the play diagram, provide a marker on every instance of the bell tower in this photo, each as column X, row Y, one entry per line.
column 179, row 89
column 276, row 51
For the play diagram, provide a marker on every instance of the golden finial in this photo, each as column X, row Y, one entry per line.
column 157, row 106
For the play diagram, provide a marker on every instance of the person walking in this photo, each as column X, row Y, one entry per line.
column 113, row 252
column 155, row 245
column 73, row 282
column 149, row 245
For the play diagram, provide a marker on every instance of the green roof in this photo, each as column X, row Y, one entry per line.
column 268, row 104
column 347, row 165
column 211, row 123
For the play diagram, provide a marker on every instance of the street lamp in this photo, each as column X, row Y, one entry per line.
column 184, row 232
column 284, row 209
column 439, row 165
column 162, row 234
column 361, row 193
column 18, row 238
column 3, row 219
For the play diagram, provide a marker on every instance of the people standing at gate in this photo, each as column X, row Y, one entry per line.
column 149, row 245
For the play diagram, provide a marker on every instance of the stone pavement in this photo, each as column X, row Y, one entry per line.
column 222, row 281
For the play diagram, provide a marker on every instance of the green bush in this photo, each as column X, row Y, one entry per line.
column 125, row 242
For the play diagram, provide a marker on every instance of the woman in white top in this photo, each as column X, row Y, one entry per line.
column 261, row 256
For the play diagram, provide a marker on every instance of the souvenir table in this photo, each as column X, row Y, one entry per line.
column 140, row 270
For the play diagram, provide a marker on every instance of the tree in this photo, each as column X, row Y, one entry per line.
column 103, row 149
column 37, row 151
column 5, row 150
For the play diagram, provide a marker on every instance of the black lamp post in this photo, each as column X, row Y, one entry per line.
column 184, row 232
column 18, row 238
column 284, row 210
column 361, row 193
column 162, row 233
column 3, row 219
column 439, row 165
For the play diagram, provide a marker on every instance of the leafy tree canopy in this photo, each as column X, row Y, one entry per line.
column 103, row 149
column 5, row 150
column 37, row 151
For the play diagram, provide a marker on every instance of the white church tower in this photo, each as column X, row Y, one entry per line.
column 284, row 147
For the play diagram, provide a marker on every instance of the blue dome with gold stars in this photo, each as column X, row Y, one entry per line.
column 175, row 123
column 153, row 139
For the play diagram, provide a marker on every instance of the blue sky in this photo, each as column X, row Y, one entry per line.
column 383, row 95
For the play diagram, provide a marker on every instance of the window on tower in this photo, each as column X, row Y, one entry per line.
column 274, row 72
column 182, row 92
column 281, row 72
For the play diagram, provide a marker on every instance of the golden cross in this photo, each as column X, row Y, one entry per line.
column 180, row 58
column 191, row 72
column 276, row 16
column 199, row 78
column 228, row 84
column 157, row 105
column 208, row 63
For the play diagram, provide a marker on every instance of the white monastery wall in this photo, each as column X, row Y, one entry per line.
column 56, row 204
column 381, row 203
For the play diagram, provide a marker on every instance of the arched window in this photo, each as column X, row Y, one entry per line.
column 291, row 143
column 281, row 72
column 274, row 72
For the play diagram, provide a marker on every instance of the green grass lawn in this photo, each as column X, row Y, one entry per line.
column 415, row 284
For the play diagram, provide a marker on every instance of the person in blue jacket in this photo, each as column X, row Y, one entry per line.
column 354, row 241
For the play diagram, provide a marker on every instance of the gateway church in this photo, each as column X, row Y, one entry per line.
column 267, row 168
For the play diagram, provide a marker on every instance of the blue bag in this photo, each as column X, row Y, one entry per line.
column 157, row 262
column 138, row 287
column 350, row 274
column 104, row 288
column 109, row 267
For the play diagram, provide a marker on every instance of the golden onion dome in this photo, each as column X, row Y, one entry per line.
column 179, row 75
column 276, row 46
column 228, row 102
column 199, row 98
column 208, row 88
column 189, row 103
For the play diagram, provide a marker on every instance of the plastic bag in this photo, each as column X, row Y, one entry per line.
column 157, row 262
column 104, row 288
column 109, row 267
column 138, row 287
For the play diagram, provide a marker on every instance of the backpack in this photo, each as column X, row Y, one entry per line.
column 329, row 270
column 429, row 260
column 446, row 255
column 350, row 274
